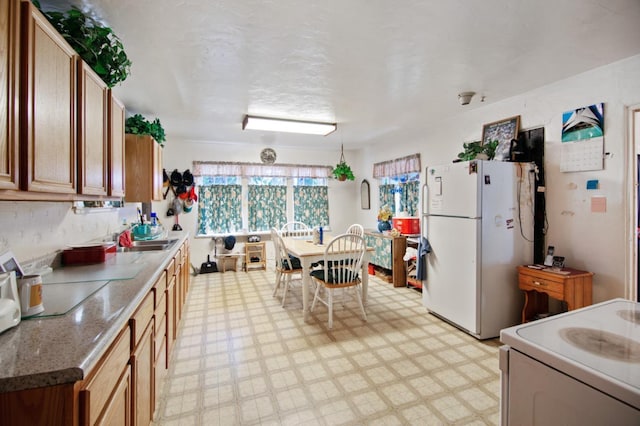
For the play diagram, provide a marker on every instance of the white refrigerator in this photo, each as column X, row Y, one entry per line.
column 478, row 220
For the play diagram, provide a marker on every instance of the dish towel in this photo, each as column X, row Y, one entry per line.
column 124, row 240
column 424, row 248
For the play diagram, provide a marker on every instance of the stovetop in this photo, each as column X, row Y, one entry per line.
column 598, row 344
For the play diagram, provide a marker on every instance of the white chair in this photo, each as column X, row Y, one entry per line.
column 295, row 229
column 356, row 229
column 286, row 266
column 342, row 268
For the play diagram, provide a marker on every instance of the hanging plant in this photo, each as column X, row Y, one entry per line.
column 96, row 44
column 138, row 125
column 342, row 171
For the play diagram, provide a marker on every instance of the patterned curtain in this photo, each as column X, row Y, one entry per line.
column 410, row 197
column 386, row 196
column 219, row 209
column 267, row 207
column 311, row 205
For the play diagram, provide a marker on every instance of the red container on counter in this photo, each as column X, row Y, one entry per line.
column 407, row 225
column 88, row 254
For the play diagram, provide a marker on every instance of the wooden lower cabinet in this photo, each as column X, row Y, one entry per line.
column 142, row 379
column 172, row 318
column 123, row 386
column 56, row 405
column 98, row 396
column 117, row 411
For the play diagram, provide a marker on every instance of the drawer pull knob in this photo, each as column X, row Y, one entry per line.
column 538, row 283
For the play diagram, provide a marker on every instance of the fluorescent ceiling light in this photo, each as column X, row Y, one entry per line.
column 290, row 126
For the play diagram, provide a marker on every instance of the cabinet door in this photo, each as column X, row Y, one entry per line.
column 9, row 83
column 118, row 409
column 143, row 169
column 99, row 389
column 116, row 146
column 143, row 376
column 92, row 132
column 49, row 101
column 157, row 172
column 172, row 321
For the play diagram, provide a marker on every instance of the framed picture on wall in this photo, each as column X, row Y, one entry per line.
column 503, row 131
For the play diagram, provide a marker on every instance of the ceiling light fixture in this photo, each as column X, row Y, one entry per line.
column 289, row 126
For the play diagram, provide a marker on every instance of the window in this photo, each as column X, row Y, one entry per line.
column 229, row 204
column 311, row 201
column 267, row 202
column 219, row 207
column 400, row 183
column 401, row 193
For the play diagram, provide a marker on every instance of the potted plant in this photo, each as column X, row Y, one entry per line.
column 342, row 172
column 138, row 125
column 475, row 150
column 96, row 44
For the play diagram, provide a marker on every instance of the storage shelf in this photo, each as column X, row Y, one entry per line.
column 254, row 251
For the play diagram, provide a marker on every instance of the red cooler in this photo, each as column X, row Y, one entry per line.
column 407, row 225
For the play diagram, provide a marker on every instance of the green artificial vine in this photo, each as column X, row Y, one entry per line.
column 138, row 125
column 96, row 44
column 473, row 149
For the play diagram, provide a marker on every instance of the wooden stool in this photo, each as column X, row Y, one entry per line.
column 229, row 261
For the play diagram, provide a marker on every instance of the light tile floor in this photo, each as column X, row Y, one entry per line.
column 242, row 359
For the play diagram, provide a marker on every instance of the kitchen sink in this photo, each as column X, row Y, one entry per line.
column 152, row 245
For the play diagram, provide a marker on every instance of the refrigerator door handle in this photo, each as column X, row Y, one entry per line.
column 425, row 199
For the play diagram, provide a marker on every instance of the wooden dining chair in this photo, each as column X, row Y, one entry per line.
column 342, row 267
column 356, row 229
column 295, row 229
column 286, row 266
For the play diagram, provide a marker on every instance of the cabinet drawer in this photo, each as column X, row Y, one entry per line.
column 161, row 305
column 97, row 390
column 171, row 269
column 530, row 282
column 160, row 286
column 140, row 319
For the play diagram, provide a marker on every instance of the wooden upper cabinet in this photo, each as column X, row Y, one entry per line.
column 116, row 146
column 92, row 132
column 143, row 168
column 9, row 86
column 48, row 129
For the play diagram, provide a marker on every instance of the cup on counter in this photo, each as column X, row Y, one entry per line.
column 30, row 291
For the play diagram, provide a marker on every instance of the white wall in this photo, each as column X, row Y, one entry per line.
column 592, row 241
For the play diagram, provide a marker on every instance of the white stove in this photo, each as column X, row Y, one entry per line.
column 580, row 367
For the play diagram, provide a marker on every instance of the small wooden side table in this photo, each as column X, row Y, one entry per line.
column 569, row 285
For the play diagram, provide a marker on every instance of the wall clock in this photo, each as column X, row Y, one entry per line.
column 268, row 156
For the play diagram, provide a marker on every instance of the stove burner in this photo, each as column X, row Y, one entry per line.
column 603, row 343
column 630, row 315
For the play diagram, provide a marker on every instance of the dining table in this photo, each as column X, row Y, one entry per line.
column 308, row 252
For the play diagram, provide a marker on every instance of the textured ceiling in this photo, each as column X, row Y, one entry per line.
column 371, row 66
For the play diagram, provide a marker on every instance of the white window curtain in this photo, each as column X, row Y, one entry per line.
column 397, row 167
column 216, row 168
